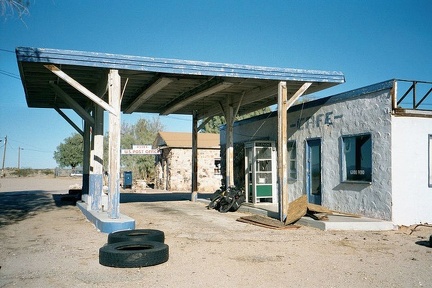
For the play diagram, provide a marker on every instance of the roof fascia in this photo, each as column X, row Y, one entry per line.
column 173, row 66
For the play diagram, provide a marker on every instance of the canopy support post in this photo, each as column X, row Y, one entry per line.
column 194, row 195
column 96, row 170
column 114, row 95
column 283, row 105
column 229, row 150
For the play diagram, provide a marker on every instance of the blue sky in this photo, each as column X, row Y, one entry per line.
column 369, row 41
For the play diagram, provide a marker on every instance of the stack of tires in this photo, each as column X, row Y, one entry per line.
column 134, row 248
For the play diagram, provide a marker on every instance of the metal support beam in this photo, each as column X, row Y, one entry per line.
column 80, row 88
column 194, row 195
column 114, row 94
column 73, row 104
column 148, row 93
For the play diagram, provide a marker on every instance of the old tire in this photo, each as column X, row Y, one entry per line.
column 226, row 206
column 138, row 235
column 133, row 254
column 215, row 202
column 430, row 241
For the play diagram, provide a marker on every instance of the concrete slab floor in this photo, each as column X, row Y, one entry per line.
column 334, row 222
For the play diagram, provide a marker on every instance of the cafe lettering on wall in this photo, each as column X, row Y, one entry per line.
column 316, row 120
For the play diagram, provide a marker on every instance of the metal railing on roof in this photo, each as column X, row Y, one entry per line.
column 416, row 95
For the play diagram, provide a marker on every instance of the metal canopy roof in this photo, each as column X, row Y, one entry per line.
column 164, row 86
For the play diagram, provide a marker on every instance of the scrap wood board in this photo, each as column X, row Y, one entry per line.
column 266, row 222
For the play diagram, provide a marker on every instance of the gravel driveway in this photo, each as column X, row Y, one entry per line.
column 45, row 242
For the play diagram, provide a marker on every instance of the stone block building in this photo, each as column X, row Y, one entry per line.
column 174, row 164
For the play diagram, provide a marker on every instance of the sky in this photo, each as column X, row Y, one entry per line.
column 369, row 41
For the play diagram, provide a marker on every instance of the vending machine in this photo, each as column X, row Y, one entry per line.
column 260, row 174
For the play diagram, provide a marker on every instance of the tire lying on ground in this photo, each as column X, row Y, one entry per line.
column 138, row 235
column 133, row 254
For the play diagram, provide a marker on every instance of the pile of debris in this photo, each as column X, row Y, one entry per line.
column 297, row 209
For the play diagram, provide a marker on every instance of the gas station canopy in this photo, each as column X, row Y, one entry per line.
column 90, row 82
column 156, row 85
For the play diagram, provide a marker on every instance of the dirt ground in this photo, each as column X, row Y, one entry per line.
column 46, row 242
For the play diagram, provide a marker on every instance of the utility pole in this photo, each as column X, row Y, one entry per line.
column 4, row 157
column 19, row 154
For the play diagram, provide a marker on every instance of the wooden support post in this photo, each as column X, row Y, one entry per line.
column 97, row 159
column 394, row 95
column 114, row 93
column 194, row 195
column 229, row 150
column 282, row 151
column 283, row 105
column 86, row 160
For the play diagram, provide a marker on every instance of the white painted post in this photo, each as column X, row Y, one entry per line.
column 97, row 159
column 114, row 92
column 282, row 151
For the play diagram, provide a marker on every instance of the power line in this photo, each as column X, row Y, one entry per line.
column 35, row 149
column 178, row 118
column 10, row 74
column 6, row 50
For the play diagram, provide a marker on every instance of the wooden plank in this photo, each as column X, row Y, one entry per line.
column 313, row 208
column 81, row 132
column 266, row 222
column 298, row 209
column 80, row 88
column 72, row 104
column 298, row 94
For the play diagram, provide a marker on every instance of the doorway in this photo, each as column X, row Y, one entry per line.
column 313, row 171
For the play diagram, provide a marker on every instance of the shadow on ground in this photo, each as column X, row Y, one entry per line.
column 424, row 243
column 20, row 205
column 126, row 197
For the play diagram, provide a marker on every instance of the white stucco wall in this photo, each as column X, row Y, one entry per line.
column 412, row 197
column 340, row 116
column 368, row 114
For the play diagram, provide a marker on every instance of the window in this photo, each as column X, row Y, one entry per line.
column 292, row 160
column 217, row 166
column 357, row 158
